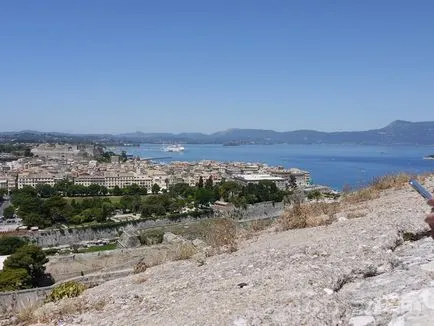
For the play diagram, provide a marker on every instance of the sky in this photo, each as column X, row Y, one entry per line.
column 97, row 66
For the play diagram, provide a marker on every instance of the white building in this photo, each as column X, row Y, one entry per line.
column 87, row 180
column 245, row 179
column 33, row 180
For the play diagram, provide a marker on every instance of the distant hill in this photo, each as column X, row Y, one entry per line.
column 397, row 132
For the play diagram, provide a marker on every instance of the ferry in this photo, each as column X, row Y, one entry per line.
column 173, row 148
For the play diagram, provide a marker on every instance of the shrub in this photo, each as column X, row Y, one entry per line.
column 391, row 181
column 14, row 279
column 51, row 251
column 140, row 267
column 184, row 251
column 151, row 237
column 308, row 215
column 362, row 195
column 8, row 245
column 66, row 290
column 222, row 233
column 31, row 258
column 377, row 185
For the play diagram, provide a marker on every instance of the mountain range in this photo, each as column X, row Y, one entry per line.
column 397, row 132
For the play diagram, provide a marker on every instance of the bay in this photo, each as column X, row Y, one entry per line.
column 331, row 165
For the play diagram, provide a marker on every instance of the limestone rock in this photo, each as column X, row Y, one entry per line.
column 170, row 238
column 361, row 272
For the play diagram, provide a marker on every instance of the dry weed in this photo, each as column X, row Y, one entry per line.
column 99, row 305
column 58, row 312
column 222, row 233
column 308, row 215
column 140, row 267
column 184, row 251
column 395, row 181
column 362, row 195
column 356, row 214
column 27, row 315
column 391, row 181
column 259, row 225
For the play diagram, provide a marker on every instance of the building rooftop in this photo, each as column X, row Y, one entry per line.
column 258, row 177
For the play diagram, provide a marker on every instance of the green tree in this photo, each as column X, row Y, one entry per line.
column 204, row 196
column 94, row 189
column 9, row 212
column 32, row 259
column 34, row 219
column 181, row 189
column 28, row 153
column 124, row 157
column 45, row 190
column 8, row 245
column 116, row 191
column 200, row 183
column 14, row 279
column 155, row 189
column 64, row 187
column 209, row 183
column 2, row 193
column 229, row 189
column 57, row 209
column 315, row 194
column 103, row 190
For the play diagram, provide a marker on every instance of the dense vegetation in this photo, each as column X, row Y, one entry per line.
column 8, row 245
column 16, row 149
column 46, row 206
column 24, row 268
column 106, row 157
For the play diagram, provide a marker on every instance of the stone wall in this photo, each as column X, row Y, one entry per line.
column 255, row 212
column 11, row 302
column 49, row 238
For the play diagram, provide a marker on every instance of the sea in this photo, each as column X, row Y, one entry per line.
column 336, row 166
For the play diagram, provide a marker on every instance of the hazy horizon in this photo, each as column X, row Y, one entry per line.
column 197, row 66
column 192, row 132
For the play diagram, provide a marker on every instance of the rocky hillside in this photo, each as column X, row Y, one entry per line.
column 373, row 266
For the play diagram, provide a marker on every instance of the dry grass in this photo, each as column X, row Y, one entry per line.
column 184, row 251
column 222, row 234
column 308, row 215
column 140, row 267
column 362, row 195
column 396, row 181
column 55, row 313
column 356, row 214
column 258, row 225
column 27, row 315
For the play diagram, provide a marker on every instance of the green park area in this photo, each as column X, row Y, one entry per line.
column 74, row 205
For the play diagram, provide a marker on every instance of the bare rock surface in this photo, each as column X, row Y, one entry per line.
column 356, row 271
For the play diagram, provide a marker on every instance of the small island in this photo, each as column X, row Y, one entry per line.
column 429, row 157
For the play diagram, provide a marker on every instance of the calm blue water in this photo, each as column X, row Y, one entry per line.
column 332, row 165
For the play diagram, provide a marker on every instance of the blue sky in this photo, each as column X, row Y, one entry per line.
column 120, row 66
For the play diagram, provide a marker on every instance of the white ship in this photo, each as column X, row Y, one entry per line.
column 173, row 148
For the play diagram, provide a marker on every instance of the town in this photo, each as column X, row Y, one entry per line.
column 86, row 170
column 52, row 163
